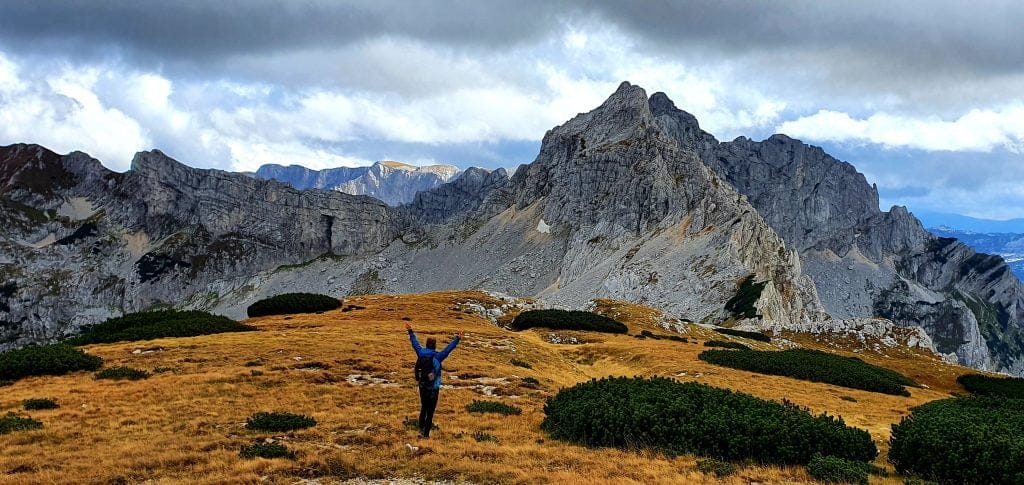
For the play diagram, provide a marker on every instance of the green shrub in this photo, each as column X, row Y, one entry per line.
column 652, row 335
column 45, row 360
column 278, row 422
column 726, row 345
column 979, row 385
column 815, row 366
column 293, row 303
column 39, row 404
column 742, row 304
column 760, row 337
column 122, row 374
column 962, row 440
column 520, row 363
column 567, row 320
column 717, row 467
column 158, row 324
column 265, row 450
column 832, row 469
column 13, row 422
column 531, row 381
column 676, row 418
column 492, row 407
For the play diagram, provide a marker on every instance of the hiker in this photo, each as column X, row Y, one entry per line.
column 428, row 376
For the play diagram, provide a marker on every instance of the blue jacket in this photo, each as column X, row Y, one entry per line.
column 438, row 356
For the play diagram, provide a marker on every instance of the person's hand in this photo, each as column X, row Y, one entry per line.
column 408, row 326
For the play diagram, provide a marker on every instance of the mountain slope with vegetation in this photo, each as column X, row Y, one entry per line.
column 350, row 373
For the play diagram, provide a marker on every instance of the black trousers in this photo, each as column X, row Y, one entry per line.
column 428, row 402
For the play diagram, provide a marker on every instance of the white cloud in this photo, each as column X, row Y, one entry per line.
column 977, row 130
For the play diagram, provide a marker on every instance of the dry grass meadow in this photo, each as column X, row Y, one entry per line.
column 352, row 371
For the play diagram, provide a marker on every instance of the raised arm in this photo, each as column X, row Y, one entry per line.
column 451, row 346
column 412, row 338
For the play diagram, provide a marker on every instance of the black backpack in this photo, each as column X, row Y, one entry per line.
column 424, row 370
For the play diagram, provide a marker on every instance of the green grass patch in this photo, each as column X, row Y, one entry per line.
column 492, row 407
column 39, row 404
column 520, row 363
column 651, row 335
column 979, row 385
column 760, row 337
column 45, row 360
column 962, row 440
column 293, row 303
column 726, row 345
column 122, row 374
column 677, row 418
column 567, row 320
column 12, row 422
column 266, row 450
column 157, row 324
column 814, row 366
column 279, row 422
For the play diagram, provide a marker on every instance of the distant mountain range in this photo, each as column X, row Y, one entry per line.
column 1008, row 245
column 970, row 224
column 395, row 183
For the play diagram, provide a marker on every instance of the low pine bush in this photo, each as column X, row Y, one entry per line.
column 676, row 418
column 651, row 335
column 567, row 320
column 815, row 366
column 715, row 467
column 742, row 304
column 279, row 422
column 832, row 469
column 760, row 337
column 265, row 450
column 12, row 422
column 159, row 324
column 123, row 374
column 520, row 363
column 726, row 345
column 293, row 303
column 39, row 404
column 492, row 407
column 962, row 440
column 45, row 360
column 979, row 385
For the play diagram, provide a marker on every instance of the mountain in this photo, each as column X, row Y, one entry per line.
column 631, row 201
column 972, row 224
column 1010, row 246
column 395, row 183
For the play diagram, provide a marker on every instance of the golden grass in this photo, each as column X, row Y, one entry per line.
column 186, row 424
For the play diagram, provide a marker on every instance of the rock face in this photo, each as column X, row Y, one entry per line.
column 394, row 183
column 457, row 198
column 866, row 262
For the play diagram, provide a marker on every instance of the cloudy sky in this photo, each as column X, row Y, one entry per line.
column 925, row 97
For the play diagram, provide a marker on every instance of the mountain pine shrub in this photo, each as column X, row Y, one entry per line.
column 760, row 337
column 566, row 320
column 266, row 450
column 45, row 360
column 979, row 385
column 676, row 418
column 832, row 469
column 293, row 303
column 122, row 374
column 157, row 324
column 12, row 422
column 726, row 345
column 742, row 304
column 521, row 363
column 279, row 422
column 39, row 404
column 962, row 440
column 493, row 407
column 814, row 366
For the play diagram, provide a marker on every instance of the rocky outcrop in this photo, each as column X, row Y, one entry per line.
column 394, row 183
column 866, row 262
column 457, row 198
